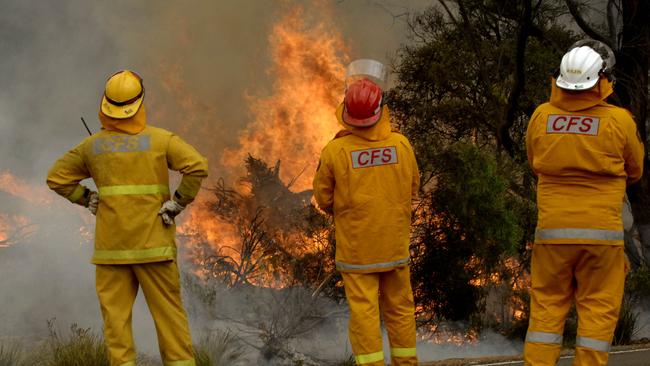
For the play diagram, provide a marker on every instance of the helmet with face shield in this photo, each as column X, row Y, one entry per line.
column 364, row 81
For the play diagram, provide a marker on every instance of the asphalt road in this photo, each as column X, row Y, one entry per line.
column 632, row 357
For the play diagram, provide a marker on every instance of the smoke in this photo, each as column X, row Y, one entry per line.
column 202, row 62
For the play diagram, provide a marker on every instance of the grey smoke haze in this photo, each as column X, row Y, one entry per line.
column 198, row 59
column 56, row 57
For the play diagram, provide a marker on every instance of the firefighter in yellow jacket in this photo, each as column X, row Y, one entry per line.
column 134, row 238
column 584, row 151
column 366, row 177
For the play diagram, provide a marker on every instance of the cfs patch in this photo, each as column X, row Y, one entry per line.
column 581, row 125
column 374, row 157
column 121, row 143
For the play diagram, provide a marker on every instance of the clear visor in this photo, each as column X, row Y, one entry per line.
column 606, row 53
column 366, row 68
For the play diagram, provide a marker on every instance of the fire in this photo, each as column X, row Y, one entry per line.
column 291, row 126
column 17, row 187
column 295, row 122
column 445, row 334
column 13, row 228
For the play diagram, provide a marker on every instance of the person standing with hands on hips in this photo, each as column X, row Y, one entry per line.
column 135, row 231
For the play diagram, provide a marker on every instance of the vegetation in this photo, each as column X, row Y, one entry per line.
column 464, row 225
column 461, row 100
column 219, row 349
column 81, row 347
column 11, row 354
column 282, row 239
column 467, row 84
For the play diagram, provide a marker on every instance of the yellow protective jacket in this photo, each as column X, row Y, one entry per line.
column 368, row 177
column 131, row 173
column 583, row 152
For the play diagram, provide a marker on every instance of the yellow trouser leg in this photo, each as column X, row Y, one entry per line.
column 161, row 286
column 117, row 288
column 551, row 293
column 362, row 292
column 398, row 310
column 600, row 278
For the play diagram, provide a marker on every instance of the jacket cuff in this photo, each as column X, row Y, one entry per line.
column 77, row 194
column 187, row 190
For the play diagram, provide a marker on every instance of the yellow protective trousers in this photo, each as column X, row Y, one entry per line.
column 390, row 291
column 592, row 274
column 117, row 287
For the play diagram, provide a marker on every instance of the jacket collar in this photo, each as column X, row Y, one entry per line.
column 380, row 131
column 132, row 125
column 577, row 101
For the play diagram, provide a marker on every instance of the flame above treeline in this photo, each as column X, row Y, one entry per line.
column 291, row 125
column 294, row 123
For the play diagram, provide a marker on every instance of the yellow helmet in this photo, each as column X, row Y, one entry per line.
column 123, row 95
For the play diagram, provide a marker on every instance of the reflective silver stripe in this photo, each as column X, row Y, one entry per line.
column 343, row 265
column 543, row 337
column 596, row 234
column 121, row 143
column 591, row 343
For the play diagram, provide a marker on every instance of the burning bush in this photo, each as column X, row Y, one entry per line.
column 281, row 239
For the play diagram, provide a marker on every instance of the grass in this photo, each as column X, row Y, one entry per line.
column 11, row 354
column 81, row 347
column 219, row 349
column 626, row 328
column 78, row 347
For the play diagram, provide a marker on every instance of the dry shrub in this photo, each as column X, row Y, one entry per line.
column 11, row 354
column 81, row 347
column 219, row 349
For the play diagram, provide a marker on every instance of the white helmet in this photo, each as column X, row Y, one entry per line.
column 581, row 67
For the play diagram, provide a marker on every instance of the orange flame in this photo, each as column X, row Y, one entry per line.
column 440, row 334
column 292, row 125
column 295, row 122
column 13, row 228
column 20, row 188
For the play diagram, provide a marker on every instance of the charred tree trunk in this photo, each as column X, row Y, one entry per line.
column 632, row 90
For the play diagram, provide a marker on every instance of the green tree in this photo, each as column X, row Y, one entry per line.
column 463, row 227
column 472, row 75
column 466, row 88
